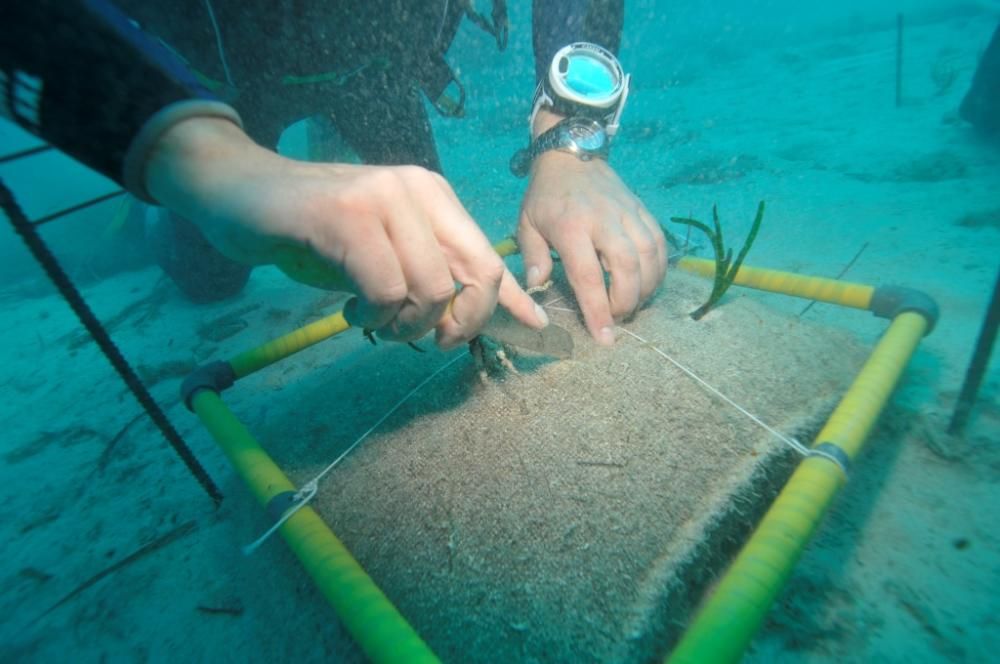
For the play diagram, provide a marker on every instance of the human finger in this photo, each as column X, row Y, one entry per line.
column 586, row 276
column 534, row 252
column 662, row 253
column 619, row 257
column 374, row 268
column 647, row 252
column 521, row 306
column 430, row 286
column 485, row 279
column 471, row 307
column 472, row 263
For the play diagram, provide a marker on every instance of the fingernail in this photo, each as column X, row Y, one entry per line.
column 533, row 273
column 542, row 316
column 606, row 336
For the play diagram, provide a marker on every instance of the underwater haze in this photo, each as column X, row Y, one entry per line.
column 844, row 118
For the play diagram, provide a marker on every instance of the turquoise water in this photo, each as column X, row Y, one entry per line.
column 732, row 103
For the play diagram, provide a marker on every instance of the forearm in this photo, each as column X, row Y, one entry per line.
column 193, row 161
column 82, row 77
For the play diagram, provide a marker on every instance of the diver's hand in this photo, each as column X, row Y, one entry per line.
column 398, row 235
column 587, row 214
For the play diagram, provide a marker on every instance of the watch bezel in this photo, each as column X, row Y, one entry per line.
column 559, row 98
column 559, row 75
column 563, row 133
column 593, row 128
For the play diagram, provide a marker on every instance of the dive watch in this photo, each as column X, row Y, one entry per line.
column 583, row 137
column 584, row 80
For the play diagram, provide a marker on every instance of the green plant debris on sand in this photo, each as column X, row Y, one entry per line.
column 152, row 374
column 934, row 167
column 939, row 166
column 981, row 219
column 160, row 542
column 65, row 437
column 227, row 325
column 714, row 171
column 141, row 313
column 725, row 268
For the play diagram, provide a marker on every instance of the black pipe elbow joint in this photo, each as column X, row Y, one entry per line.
column 890, row 301
column 215, row 376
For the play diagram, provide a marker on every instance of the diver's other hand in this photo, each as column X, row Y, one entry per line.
column 398, row 235
column 585, row 212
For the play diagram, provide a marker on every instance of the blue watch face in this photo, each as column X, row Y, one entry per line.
column 587, row 136
column 589, row 78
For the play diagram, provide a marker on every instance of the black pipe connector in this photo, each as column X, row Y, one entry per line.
column 890, row 301
column 281, row 503
column 215, row 376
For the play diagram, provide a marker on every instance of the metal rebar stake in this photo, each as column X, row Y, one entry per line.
column 977, row 366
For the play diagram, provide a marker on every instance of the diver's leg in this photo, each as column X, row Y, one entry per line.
column 385, row 121
column 199, row 270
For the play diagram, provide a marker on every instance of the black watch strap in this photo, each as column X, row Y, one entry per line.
column 558, row 137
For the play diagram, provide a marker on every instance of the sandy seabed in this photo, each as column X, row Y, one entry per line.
column 903, row 568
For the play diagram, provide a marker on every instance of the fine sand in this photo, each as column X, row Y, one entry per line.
column 573, row 511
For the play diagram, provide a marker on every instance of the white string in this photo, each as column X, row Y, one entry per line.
column 218, row 42
column 299, row 500
column 310, row 488
column 557, row 299
column 791, row 442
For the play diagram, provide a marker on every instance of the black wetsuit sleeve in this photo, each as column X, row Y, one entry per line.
column 80, row 75
column 557, row 23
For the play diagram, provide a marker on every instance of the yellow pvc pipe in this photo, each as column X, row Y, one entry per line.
column 726, row 623
column 506, row 246
column 375, row 623
column 369, row 616
column 730, row 618
column 256, row 359
column 822, row 289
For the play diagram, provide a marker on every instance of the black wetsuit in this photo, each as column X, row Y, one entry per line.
column 90, row 76
column 101, row 77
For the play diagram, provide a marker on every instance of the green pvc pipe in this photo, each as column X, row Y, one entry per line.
column 374, row 622
column 733, row 613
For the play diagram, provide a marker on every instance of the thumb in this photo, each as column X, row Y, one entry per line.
column 535, row 253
